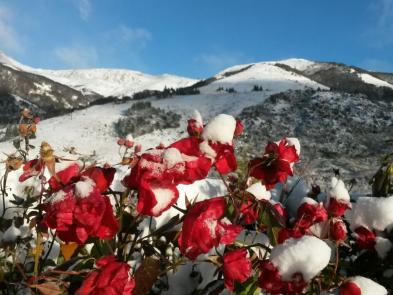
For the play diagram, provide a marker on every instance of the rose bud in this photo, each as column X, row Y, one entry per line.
column 126, row 160
column 37, row 120
column 338, row 230
column 138, row 148
column 239, row 128
column 129, row 143
column 121, row 141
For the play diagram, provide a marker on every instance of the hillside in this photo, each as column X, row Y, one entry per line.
column 342, row 114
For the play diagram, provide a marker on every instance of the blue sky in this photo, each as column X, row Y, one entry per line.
column 195, row 38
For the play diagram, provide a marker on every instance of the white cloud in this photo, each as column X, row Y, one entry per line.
column 124, row 35
column 9, row 38
column 84, row 8
column 77, row 56
column 134, row 35
column 380, row 33
column 220, row 61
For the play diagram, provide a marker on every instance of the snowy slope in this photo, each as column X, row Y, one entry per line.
column 91, row 130
column 113, row 82
column 265, row 74
column 367, row 78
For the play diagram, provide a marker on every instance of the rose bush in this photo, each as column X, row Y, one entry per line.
column 88, row 229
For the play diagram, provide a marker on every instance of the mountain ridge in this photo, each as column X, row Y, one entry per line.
column 294, row 97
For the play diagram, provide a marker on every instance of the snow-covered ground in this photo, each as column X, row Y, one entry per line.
column 91, row 130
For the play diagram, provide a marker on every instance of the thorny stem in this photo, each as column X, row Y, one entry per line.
column 230, row 193
column 179, row 209
column 37, row 253
column 3, row 191
column 48, row 252
column 337, row 260
column 335, row 265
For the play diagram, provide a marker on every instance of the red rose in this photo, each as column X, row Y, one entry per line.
column 103, row 177
column 338, row 230
column 77, row 218
column 77, row 209
column 194, row 128
column 275, row 165
column 337, row 208
column 281, row 210
column 112, row 277
column 237, row 267
column 309, row 214
column 159, row 171
column 225, row 160
column 64, row 177
column 32, row 168
column 365, row 238
column 203, row 228
column 271, row 281
column 286, row 233
column 250, row 210
column 195, row 124
column 350, row 288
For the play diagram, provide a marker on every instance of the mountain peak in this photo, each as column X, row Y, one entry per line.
column 12, row 63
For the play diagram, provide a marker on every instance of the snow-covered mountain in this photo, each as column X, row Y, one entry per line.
column 266, row 74
column 105, row 82
column 343, row 114
column 114, row 82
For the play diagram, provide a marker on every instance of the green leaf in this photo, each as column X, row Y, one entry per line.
column 272, row 221
column 249, row 287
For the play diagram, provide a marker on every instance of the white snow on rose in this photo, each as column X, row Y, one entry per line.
column 196, row 115
column 367, row 286
column 258, row 190
column 84, row 187
column 372, row 213
column 171, row 157
column 163, row 196
column 338, row 190
column 220, row 129
column 207, row 150
column 293, row 141
column 307, row 255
